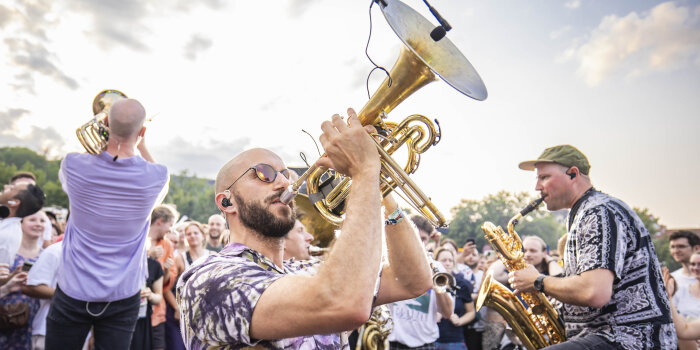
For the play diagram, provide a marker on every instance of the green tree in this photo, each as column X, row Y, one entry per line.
column 661, row 244
column 192, row 196
column 14, row 159
column 499, row 208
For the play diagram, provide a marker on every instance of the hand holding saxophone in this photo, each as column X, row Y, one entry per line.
column 523, row 280
column 349, row 148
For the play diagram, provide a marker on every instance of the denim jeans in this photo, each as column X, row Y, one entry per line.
column 587, row 342
column 69, row 322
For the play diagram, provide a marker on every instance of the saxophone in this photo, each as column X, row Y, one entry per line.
column 537, row 325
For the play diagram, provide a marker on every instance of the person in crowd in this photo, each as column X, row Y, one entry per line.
column 13, row 284
column 111, row 198
column 536, row 255
column 682, row 245
column 300, row 305
column 177, row 238
column 297, row 242
column 415, row 320
column 609, row 260
column 687, row 296
column 474, row 330
column 194, row 234
column 217, row 226
column 686, row 330
column 41, row 284
column 451, row 332
column 23, row 177
column 494, row 324
column 561, row 247
column 20, row 337
column 16, row 202
column 162, row 219
column 151, row 294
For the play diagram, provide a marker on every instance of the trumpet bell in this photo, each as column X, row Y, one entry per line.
column 94, row 134
column 442, row 57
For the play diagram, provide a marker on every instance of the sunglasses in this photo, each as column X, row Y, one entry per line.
column 264, row 172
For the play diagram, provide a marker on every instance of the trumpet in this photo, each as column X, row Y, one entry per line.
column 420, row 62
column 94, row 134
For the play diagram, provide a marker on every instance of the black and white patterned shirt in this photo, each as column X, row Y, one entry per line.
column 605, row 233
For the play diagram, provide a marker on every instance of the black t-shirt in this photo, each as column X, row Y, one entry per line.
column 448, row 332
column 155, row 271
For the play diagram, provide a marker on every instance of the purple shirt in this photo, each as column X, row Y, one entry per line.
column 217, row 298
column 104, row 256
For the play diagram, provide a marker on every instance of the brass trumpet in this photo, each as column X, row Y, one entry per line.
column 94, row 134
column 420, row 62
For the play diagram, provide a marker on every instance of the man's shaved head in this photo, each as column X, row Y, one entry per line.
column 126, row 118
column 240, row 163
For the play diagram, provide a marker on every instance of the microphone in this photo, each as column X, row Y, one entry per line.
column 440, row 31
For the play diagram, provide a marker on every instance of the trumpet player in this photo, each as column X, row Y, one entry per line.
column 612, row 291
column 247, row 295
column 103, row 265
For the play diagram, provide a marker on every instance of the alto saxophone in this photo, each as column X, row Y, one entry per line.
column 537, row 325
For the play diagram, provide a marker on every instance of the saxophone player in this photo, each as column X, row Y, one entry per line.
column 612, row 291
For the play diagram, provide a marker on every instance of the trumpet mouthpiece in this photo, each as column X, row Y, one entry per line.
column 288, row 195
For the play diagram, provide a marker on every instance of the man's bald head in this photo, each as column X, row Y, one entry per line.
column 240, row 163
column 126, row 118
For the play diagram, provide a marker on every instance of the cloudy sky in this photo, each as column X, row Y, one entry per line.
column 618, row 79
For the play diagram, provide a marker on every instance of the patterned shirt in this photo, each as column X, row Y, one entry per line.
column 218, row 296
column 605, row 233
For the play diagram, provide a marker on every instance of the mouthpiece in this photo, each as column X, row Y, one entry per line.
column 532, row 206
column 288, row 195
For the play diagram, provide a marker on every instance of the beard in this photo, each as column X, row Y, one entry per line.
column 258, row 218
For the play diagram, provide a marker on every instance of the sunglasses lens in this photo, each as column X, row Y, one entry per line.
column 265, row 172
column 285, row 172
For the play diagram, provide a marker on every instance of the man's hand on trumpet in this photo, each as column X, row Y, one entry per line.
column 349, row 148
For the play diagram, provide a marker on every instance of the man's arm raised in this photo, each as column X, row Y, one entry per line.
column 339, row 297
column 408, row 274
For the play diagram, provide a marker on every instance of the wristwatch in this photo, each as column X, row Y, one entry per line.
column 539, row 283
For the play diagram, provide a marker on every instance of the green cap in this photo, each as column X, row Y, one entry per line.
column 565, row 155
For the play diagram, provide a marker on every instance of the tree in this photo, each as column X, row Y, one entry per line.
column 192, row 196
column 661, row 244
column 14, row 159
column 499, row 208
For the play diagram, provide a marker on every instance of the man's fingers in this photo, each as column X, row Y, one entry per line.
column 339, row 123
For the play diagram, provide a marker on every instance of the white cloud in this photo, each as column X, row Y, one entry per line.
column 43, row 140
column 665, row 38
column 573, row 4
column 204, row 160
column 559, row 33
column 197, row 44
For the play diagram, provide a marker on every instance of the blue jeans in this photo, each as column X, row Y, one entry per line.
column 587, row 342
column 69, row 322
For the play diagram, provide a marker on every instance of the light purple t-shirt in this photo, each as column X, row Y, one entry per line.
column 104, row 256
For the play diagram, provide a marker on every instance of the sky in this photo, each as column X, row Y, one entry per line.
column 620, row 80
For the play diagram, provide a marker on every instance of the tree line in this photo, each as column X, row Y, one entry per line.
column 193, row 196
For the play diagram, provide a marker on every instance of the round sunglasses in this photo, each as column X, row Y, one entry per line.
column 264, row 172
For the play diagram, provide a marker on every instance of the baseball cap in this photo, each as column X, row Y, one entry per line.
column 565, row 155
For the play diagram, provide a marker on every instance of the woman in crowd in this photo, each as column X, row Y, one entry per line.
column 536, row 254
column 19, row 337
column 151, row 294
column 685, row 300
column 177, row 238
column 194, row 234
column 451, row 333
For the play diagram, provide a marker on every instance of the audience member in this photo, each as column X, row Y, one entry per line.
column 41, row 284
column 19, row 336
column 415, row 320
column 16, row 202
column 297, row 242
column 686, row 330
column 682, row 245
column 451, row 332
column 23, row 177
column 151, row 294
column 536, row 254
column 162, row 219
column 217, row 225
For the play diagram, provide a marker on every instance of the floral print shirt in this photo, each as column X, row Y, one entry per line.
column 217, row 298
column 604, row 233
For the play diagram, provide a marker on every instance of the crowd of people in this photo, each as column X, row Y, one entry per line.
column 123, row 271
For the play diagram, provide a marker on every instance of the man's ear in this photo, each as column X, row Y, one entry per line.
column 142, row 132
column 225, row 203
